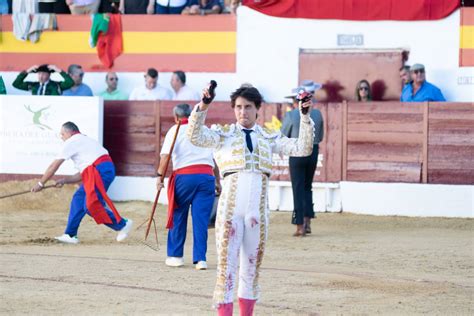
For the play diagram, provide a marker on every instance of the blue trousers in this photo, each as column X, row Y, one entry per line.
column 197, row 190
column 78, row 207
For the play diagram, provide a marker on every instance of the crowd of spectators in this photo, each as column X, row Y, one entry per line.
column 415, row 88
column 73, row 85
column 188, row 7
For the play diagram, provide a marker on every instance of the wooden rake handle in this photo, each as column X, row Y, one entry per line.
column 24, row 192
column 152, row 215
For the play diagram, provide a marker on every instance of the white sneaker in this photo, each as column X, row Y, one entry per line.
column 67, row 239
column 123, row 233
column 201, row 265
column 174, row 261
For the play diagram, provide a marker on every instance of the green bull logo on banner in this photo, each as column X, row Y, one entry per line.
column 38, row 116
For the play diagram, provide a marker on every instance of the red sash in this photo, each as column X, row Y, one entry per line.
column 91, row 180
column 172, row 205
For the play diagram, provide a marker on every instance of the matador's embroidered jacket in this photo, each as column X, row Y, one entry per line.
column 231, row 154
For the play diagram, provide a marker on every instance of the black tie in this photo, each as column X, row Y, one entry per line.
column 248, row 139
column 40, row 91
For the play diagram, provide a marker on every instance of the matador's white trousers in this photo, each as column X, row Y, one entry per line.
column 241, row 229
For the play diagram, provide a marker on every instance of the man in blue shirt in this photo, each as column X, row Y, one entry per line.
column 79, row 89
column 420, row 90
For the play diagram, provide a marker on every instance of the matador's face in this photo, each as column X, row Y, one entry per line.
column 245, row 112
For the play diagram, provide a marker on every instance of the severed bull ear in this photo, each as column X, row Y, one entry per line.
column 212, row 88
column 304, row 96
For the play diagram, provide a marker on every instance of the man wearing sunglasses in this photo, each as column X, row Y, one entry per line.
column 420, row 90
column 112, row 93
column 79, row 89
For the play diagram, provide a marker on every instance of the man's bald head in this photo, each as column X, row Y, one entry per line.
column 112, row 81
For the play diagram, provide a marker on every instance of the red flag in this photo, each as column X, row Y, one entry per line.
column 110, row 44
column 360, row 10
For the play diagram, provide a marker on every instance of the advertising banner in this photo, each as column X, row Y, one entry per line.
column 30, row 127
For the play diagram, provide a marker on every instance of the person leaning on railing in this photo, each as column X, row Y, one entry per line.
column 44, row 86
column 200, row 7
column 420, row 90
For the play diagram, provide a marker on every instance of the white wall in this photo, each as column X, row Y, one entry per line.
column 268, row 48
column 401, row 199
column 406, row 199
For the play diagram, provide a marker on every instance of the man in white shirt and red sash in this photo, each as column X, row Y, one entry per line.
column 96, row 171
column 192, row 183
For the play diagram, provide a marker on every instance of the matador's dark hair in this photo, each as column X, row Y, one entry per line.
column 249, row 93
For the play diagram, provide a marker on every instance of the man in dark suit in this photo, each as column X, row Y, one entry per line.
column 302, row 168
column 44, row 86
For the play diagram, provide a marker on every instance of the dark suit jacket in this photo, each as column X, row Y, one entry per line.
column 291, row 124
column 52, row 88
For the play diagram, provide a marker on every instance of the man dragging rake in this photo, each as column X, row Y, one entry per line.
column 96, row 171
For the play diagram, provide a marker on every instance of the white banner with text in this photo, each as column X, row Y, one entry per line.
column 30, row 126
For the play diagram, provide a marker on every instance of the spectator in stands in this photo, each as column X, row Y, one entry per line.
column 53, row 6
column 137, row 6
column 405, row 75
column 202, row 7
column 151, row 91
column 79, row 89
column 44, row 86
column 419, row 89
column 180, row 90
column 170, row 6
column 3, row 90
column 234, row 4
column 302, row 169
column 109, row 6
column 363, row 93
column 112, row 93
column 83, row 6
column 4, row 7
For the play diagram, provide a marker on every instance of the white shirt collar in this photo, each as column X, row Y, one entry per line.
column 253, row 128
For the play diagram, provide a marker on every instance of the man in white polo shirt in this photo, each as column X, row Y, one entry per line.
column 96, row 171
column 151, row 91
column 192, row 183
column 181, row 91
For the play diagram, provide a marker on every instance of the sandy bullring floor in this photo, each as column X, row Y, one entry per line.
column 351, row 264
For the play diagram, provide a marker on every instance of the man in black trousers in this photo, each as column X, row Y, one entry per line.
column 302, row 168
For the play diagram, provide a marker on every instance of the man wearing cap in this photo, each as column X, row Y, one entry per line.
column 151, row 91
column 419, row 89
column 44, row 86
column 302, row 168
column 96, row 171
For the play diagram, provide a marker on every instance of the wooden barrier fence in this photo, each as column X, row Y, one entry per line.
column 370, row 142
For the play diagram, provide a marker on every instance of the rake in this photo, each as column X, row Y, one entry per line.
column 25, row 192
column 155, row 203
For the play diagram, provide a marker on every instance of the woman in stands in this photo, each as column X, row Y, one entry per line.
column 362, row 92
